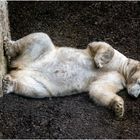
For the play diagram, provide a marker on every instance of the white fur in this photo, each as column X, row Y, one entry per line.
column 43, row 70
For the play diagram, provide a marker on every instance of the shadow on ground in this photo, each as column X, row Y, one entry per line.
column 73, row 24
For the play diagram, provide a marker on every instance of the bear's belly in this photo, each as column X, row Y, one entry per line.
column 69, row 76
column 66, row 73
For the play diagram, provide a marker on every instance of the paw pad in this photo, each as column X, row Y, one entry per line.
column 119, row 109
column 117, row 105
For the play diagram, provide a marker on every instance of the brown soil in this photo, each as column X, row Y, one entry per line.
column 73, row 24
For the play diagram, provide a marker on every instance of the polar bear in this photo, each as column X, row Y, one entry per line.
column 39, row 69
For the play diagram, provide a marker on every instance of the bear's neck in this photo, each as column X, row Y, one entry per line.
column 122, row 64
column 130, row 68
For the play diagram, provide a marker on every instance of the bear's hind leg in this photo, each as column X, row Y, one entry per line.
column 24, row 83
column 28, row 48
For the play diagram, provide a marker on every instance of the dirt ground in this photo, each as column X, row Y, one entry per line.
column 73, row 24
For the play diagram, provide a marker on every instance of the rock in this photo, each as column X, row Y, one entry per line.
column 4, row 31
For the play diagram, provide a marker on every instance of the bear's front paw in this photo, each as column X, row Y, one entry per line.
column 8, row 84
column 118, row 107
column 99, row 63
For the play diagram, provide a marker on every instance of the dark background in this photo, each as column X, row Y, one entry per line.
column 73, row 24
